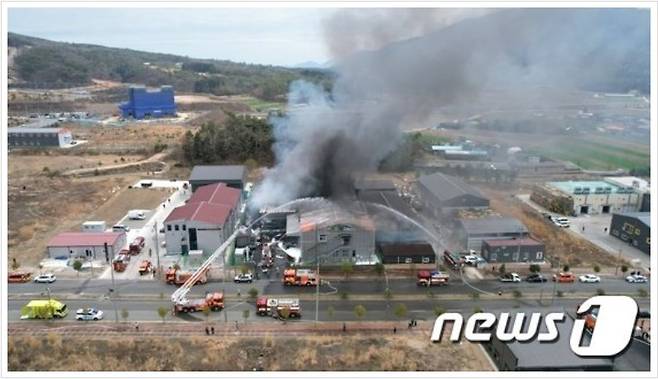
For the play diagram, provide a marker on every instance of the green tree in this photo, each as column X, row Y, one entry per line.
column 517, row 294
column 566, row 268
column 600, row 292
column 245, row 315
column 14, row 264
column 597, row 269
column 331, row 311
column 502, row 269
column 162, row 312
column 400, row 310
column 284, row 313
column 124, row 314
column 343, row 295
column 388, row 295
column 624, row 269
column 379, row 269
column 244, row 269
column 347, row 268
column 253, row 293
column 475, row 296
column 438, row 310
column 359, row 311
column 535, row 268
column 77, row 266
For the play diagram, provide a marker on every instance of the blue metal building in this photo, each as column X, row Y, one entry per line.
column 145, row 103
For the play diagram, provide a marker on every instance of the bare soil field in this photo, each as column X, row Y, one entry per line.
column 571, row 249
column 132, row 138
column 272, row 353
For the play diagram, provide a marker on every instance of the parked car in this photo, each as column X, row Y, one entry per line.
column 473, row 259
column 536, row 278
column 564, row 277
column 136, row 215
column 45, row 278
column 589, row 278
column 562, row 222
column 636, row 278
column 243, row 278
column 88, row 314
column 510, row 277
column 120, row 228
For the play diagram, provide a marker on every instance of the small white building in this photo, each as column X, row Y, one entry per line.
column 90, row 245
column 93, row 226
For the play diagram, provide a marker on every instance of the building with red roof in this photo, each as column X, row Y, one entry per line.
column 205, row 221
column 89, row 245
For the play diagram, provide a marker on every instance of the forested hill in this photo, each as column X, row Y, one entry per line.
column 41, row 63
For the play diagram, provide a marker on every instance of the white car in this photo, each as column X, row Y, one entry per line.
column 45, row 278
column 243, row 278
column 562, row 222
column 88, row 314
column 636, row 278
column 472, row 259
column 589, row 278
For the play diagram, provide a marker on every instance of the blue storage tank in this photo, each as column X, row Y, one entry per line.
column 144, row 103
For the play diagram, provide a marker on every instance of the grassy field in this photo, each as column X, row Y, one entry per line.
column 311, row 353
column 259, row 105
column 597, row 154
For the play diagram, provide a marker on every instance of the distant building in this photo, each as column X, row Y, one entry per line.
column 333, row 235
column 513, row 250
column 633, row 228
column 205, row 221
column 466, row 155
column 94, row 226
column 587, row 197
column 533, row 165
column 145, row 103
column 640, row 185
column 89, row 245
column 474, row 231
column 409, row 253
column 444, row 194
column 233, row 176
column 38, row 137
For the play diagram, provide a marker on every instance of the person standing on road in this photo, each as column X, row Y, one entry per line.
column 236, row 325
column 212, row 330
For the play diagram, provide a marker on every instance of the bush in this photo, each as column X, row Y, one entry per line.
column 359, row 311
column 475, row 295
column 502, row 269
column 253, row 293
column 566, row 268
column 597, row 269
column 535, row 268
column 400, row 310
column 438, row 310
column 517, row 294
column 624, row 268
column 642, row 292
column 600, row 292
column 560, row 294
column 343, row 295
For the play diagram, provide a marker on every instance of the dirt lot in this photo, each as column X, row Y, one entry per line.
column 572, row 250
column 312, row 353
column 135, row 138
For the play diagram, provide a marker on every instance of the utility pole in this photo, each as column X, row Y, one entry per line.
column 110, row 261
column 555, row 282
column 157, row 248
column 224, row 283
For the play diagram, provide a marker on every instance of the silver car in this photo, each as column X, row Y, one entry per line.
column 45, row 278
column 88, row 314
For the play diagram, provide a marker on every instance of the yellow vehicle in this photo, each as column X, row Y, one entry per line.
column 44, row 309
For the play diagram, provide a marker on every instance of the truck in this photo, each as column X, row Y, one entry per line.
column 426, row 278
column 267, row 306
column 20, row 277
column 178, row 277
column 136, row 245
column 44, row 309
column 120, row 263
column 145, row 266
column 213, row 301
column 299, row 277
column 511, row 277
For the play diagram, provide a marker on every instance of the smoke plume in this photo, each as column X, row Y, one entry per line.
column 327, row 139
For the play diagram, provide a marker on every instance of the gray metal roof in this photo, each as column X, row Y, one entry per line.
column 555, row 355
column 374, row 185
column 446, row 187
column 34, row 130
column 644, row 217
column 493, row 225
column 218, row 173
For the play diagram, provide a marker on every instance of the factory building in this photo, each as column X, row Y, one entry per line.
column 472, row 232
column 406, row 253
column 587, row 197
column 444, row 195
column 333, row 235
column 145, row 103
column 233, row 176
column 640, row 185
column 515, row 250
column 204, row 222
column 633, row 228
column 87, row 245
column 533, row 165
column 38, row 137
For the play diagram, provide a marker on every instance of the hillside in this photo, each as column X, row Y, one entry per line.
column 40, row 63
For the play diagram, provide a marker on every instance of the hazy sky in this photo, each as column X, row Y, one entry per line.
column 269, row 36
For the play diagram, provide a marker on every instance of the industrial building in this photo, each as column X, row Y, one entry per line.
column 515, row 250
column 38, row 137
column 444, row 195
column 473, row 232
column 407, row 253
column 633, row 228
column 233, row 176
column 587, row 197
column 534, row 165
column 460, row 152
column 145, row 103
column 204, row 222
column 333, row 235
column 640, row 185
column 88, row 245
column 544, row 356
column 383, row 192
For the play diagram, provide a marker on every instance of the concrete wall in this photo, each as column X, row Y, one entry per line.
column 95, row 252
column 209, row 237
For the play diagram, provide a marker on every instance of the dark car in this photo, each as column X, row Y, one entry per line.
column 536, row 278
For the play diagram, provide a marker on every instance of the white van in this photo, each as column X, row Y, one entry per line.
column 136, row 215
column 120, row 228
column 562, row 222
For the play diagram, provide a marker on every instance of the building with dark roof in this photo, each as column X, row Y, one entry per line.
column 146, row 103
column 473, row 232
column 38, row 137
column 543, row 356
column 205, row 221
column 513, row 250
column 410, row 252
column 633, row 228
column 232, row 175
column 444, row 194
column 88, row 245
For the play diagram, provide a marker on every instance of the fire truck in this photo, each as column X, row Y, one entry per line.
column 274, row 307
column 178, row 277
column 299, row 277
column 213, row 301
column 435, row 278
